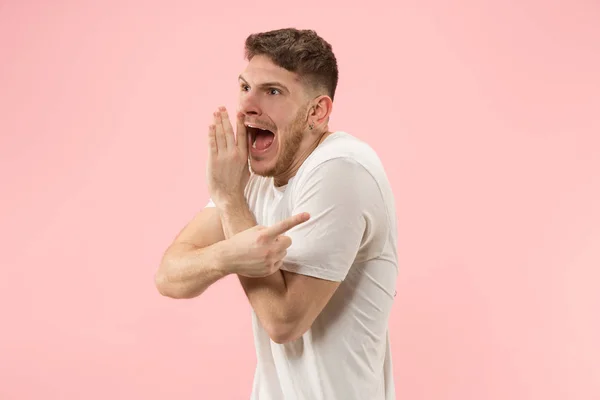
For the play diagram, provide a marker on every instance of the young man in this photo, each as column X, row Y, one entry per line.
column 305, row 218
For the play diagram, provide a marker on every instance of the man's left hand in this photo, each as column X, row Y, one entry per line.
column 227, row 171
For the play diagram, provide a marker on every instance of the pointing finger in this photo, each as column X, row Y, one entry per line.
column 287, row 224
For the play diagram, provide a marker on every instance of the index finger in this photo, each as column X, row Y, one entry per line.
column 241, row 133
column 283, row 226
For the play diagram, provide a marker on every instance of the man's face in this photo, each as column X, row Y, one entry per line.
column 275, row 106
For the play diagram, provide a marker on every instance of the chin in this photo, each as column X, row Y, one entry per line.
column 262, row 167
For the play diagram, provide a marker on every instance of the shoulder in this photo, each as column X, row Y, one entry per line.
column 342, row 156
column 341, row 144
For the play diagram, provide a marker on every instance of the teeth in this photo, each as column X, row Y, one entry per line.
column 255, row 127
column 254, row 144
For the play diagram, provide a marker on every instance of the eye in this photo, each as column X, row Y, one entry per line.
column 244, row 87
column 274, row 91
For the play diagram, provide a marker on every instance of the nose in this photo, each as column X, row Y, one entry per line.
column 249, row 104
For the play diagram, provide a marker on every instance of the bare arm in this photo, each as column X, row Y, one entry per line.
column 194, row 260
column 204, row 252
column 200, row 255
column 279, row 300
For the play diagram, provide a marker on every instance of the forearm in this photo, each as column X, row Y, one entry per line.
column 236, row 217
column 186, row 272
column 268, row 296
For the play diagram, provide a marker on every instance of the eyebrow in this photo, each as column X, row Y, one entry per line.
column 266, row 84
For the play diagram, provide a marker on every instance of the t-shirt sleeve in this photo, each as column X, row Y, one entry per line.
column 340, row 195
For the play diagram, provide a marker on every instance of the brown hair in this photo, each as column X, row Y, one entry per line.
column 300, row 51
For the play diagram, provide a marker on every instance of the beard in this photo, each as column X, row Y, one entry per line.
column 289, row 145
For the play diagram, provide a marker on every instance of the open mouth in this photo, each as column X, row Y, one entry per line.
column 260, row 139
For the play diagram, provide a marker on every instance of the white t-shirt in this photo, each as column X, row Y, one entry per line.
column 351, row 237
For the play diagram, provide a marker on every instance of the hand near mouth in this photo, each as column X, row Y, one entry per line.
column 227, row 171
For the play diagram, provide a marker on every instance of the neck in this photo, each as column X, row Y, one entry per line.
column 284, row 177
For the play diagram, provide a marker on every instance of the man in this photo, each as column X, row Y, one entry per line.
column 305, row 218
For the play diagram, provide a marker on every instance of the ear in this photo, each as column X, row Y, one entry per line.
column 320, row 111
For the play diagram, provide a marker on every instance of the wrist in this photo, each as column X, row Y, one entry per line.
column 225, row 260
column 235, row 216
column 231, row 203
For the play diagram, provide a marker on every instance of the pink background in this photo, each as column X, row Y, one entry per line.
column 486, row 115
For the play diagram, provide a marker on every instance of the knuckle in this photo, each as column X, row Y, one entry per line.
column 261, row 239
column 268, row 255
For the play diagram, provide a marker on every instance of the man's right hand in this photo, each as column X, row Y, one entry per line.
column 259, row 251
